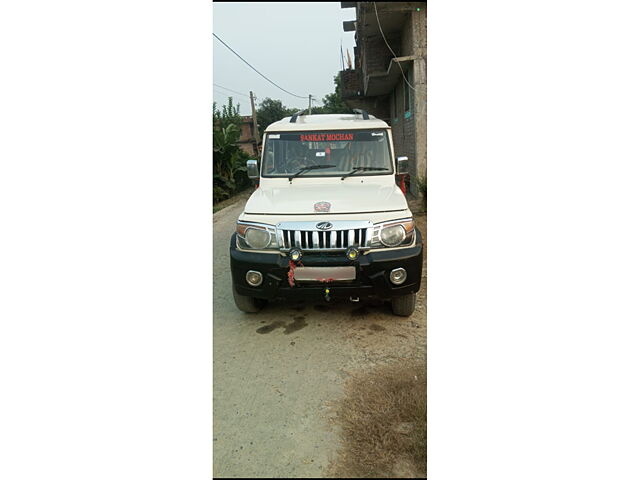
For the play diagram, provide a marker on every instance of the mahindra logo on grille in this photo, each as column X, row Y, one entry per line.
column 321, row 207
column 324, row 225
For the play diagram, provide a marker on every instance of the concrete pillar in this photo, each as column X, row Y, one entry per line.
column 419, row 23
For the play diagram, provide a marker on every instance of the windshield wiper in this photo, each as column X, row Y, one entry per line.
column 359, row 169
column 310, row 167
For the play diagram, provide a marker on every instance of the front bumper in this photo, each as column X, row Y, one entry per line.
column 372, row 273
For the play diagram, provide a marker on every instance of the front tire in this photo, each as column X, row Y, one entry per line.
column 248, row 304
column 404, row 305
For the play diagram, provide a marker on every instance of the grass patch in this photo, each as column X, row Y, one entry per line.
column 383, row 421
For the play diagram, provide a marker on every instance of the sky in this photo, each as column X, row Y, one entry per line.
column 296, row 45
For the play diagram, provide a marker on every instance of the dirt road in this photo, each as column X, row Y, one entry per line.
column 275, row 371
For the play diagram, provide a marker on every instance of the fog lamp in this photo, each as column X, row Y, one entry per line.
column 352, row 253
column 254, row 278
column 398, row 276
column 295, row 254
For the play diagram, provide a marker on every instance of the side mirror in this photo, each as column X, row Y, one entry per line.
column 252, row 169
column 402, row 165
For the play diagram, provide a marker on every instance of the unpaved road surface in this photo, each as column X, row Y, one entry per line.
column 275, row 372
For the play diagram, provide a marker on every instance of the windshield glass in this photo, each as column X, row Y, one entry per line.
column 287, row 153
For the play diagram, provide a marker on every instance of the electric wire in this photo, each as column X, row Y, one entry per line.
column 253, row 68
column 234, row 91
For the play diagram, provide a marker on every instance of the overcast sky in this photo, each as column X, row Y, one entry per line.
column 295, row 45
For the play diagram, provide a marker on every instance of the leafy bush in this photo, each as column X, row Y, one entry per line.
column 229, row 170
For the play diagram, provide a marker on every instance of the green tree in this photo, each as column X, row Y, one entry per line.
column 270, row 111
column 229, row 114
column 332, row 103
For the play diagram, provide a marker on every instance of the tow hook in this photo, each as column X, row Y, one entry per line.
column 326, row 294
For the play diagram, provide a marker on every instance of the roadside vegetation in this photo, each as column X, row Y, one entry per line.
column 229, row 161
column 383, row 424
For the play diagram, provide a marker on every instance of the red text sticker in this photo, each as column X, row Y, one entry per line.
column 326, row 137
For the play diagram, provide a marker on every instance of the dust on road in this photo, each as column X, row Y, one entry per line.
column 275, row 372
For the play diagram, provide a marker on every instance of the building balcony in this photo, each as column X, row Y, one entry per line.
column 382, row 83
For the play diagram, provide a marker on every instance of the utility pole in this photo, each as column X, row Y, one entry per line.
column 256, row 134
column 309, row 104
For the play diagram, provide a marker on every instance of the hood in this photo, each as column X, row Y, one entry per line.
column 344, row 198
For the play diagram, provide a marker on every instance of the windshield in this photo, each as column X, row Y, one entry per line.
column 287, row 153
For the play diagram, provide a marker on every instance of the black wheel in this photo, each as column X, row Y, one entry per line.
column 248, row 304
column 404, row 305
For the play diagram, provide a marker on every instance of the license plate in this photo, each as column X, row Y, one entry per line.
column 324, row 274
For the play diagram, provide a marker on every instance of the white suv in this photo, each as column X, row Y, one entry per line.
column 327, row 220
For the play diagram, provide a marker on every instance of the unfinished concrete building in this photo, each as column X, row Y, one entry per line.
column 389, row 76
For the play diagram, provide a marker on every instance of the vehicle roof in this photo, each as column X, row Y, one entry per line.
column 341, row 121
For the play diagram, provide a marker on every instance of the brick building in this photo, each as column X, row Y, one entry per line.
column 247, row 140
column 376, row 82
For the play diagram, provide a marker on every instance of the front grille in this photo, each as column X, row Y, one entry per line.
column 319, row 240
column 305, row 236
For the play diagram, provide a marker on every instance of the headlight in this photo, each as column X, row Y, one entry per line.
column 255, row 237
column 392, row 236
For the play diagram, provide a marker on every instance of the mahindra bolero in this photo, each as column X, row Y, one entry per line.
column 327, row 220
